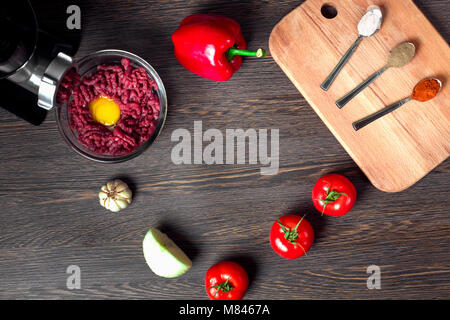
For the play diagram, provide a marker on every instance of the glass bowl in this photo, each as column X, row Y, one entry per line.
column 87, row 65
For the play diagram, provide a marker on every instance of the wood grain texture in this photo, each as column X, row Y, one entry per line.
column 51, row 219
column 399, row 149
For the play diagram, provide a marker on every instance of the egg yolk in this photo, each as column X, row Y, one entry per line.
column 105, row 111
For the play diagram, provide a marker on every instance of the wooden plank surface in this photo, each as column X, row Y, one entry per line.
column 402, row 147
column 50, row 217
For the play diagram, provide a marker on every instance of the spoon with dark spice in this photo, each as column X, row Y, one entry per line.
column 425, row 90
column 400, row 56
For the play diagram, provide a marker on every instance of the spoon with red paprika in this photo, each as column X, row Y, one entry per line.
column 424, row 91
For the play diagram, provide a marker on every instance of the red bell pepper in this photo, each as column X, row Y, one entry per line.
column 211, row 46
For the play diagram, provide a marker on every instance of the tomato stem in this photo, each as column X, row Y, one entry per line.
column 224, row 286
column 292, row 235
column 331, row 197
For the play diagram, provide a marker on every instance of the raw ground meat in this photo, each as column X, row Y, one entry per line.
column 134, row 92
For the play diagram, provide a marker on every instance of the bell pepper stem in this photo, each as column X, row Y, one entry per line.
column 260, row 53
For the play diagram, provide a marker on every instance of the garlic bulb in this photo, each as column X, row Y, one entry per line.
column 115, row 195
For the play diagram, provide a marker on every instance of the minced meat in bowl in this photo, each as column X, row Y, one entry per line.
column 111, row 107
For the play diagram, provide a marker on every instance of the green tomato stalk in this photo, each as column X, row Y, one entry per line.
column 292, row 235
column 331, row 197
column 225, row 287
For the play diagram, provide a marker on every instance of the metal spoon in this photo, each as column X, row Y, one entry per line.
column 398, row 57
column 370, row 11
column 369, row 119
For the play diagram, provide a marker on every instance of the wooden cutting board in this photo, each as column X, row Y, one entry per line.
column 401, row 148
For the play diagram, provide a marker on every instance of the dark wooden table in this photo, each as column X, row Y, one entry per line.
column 50, row 216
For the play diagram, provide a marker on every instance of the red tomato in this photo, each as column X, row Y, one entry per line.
column 291, row 236
column 334, row 195
column 226, row 281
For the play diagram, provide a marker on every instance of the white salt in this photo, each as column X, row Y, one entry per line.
column 370, row 22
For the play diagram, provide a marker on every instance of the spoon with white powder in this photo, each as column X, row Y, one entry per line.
column 369, row 24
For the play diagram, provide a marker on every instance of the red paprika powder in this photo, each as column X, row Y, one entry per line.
column 426, row 90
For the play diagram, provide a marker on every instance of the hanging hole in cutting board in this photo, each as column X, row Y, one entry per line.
column 329, row 11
